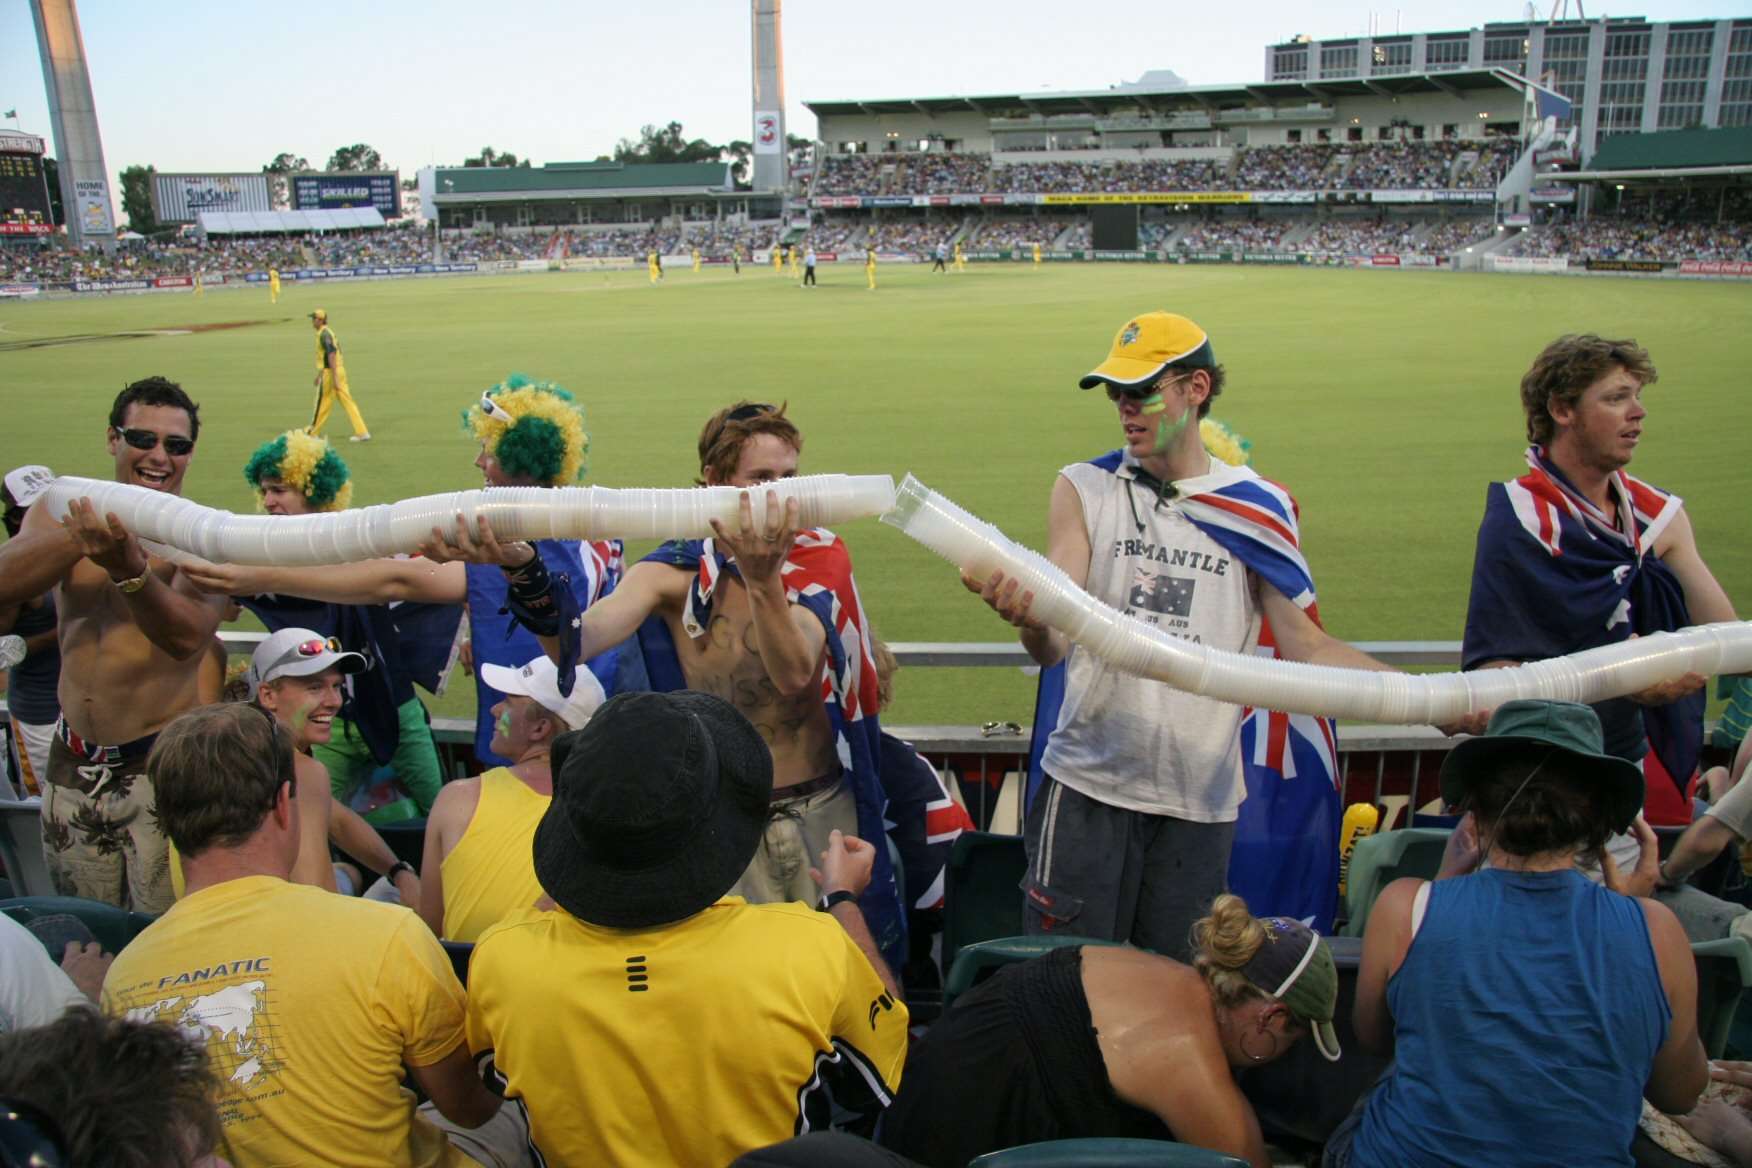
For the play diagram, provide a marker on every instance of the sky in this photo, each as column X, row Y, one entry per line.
column 214, row 86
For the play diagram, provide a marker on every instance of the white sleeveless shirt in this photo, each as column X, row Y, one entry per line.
column 1125, row 740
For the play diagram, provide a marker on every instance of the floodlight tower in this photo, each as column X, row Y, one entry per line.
column 769, row 98
column 85, row 188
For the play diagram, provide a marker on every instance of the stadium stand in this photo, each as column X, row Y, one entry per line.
column 1611, row 239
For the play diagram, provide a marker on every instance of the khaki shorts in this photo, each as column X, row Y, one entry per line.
column 796, row 835
column 101, row 839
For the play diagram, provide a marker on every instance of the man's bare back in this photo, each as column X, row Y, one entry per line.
column 726, row 663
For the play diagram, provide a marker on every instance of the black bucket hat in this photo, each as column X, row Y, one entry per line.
column 1559, row 737
column 659, row 804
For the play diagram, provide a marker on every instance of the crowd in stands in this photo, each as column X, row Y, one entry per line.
column 1615, row 239
column 1240, row 235
column 1017, row 231
column 1400, row 165
column 1094, row 178
column 1268, row 168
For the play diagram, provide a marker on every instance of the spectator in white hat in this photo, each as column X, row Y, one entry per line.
column 478, row 865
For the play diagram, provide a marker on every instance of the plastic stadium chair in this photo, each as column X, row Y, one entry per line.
column 1107, row 1154
column 971, row 961
column 982, row 893
column 1724, row 970
column 407, row 839
column 1378, row 860
column 113, row 927
column 21, row 848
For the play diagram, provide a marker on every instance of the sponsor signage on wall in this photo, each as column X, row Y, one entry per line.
column 180, row 198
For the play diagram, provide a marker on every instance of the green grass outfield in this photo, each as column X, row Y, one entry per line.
column 1384, row 401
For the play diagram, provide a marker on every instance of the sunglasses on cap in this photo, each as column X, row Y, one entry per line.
column 496, row 411
column 314, row 647
column 175, row 445
column 739, row 414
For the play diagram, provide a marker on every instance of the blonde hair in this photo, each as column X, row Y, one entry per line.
column 1222, row 944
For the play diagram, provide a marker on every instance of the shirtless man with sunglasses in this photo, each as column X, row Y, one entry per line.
column 133, row 634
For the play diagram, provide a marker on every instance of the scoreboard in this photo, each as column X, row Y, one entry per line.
column 24, row 195
column 331, row 191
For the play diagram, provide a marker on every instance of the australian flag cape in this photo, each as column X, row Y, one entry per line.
column 818, row 576
column 585, row 573
column 1554, row 574
column 375, row 693
column 1285, row 857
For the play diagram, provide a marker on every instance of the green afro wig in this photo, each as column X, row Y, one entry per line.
column 533, row 428
column 306, row 463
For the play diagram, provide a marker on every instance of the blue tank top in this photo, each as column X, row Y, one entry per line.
column 1526, row 1018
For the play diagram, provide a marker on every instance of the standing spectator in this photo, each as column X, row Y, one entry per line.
column 477, row 866
column 29, row 647
column 1564, row 560
column 1129, row 836
column 310, row 1040
column 134, row 633
column 712, row 1020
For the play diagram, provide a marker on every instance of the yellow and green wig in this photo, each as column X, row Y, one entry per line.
column 533, row 428
column 306, row 463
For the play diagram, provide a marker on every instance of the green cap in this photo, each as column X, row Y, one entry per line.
column 1295, row 967
column 1558, row 738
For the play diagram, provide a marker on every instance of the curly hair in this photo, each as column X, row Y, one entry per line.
column 122, row 1094
column 1565, row 370
column 535, row 430
column 155, row 391
column 306, row 463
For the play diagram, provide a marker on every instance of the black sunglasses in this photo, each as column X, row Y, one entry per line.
column 175, row 445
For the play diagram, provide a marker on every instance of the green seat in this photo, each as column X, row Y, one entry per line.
column 1107, row 1154
column 1378, row 860
column 973, row 960
column 982, row 890
column 113, row 927
column 1724, row 970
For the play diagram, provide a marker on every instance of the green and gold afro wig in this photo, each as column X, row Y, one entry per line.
column 533, row 428
column 306, row 463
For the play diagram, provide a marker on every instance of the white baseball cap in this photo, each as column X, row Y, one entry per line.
column 27, row 483
column 298, row 653
column 539, row 680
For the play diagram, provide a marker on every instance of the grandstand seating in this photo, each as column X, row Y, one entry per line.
column 1618, row 239
column 973, row 963
column 1378, row 860
column 980, row 901
column 21, row 847
column 113, row 927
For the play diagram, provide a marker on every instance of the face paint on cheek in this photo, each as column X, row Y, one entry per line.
column 1166, row 433
column 504, row 724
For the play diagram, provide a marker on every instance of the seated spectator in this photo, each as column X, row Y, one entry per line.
column 1529, row 1010
column 1725, row 822
column 1097, row 1041
column 295, row 677
column 89, row 1091
column 35, row 991
column 694, row 1026
column 477, row 865
column 310, row 1005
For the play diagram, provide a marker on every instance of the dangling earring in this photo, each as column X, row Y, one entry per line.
column 1258, row 1058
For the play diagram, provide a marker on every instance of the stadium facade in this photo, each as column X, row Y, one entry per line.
column 567, row 194
column 1623, row 75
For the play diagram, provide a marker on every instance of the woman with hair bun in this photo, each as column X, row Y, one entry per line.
column 1529, row 1010
column 1107, row 1041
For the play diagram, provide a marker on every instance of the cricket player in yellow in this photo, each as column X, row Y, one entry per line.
column 778, row 260
column 960, row 259
column 795, row 248
column 870, row 266
column 200, row 289
column 653, row 266
column 331, row 381
column 1037, row 254
column 696, row 259
column 273, row 285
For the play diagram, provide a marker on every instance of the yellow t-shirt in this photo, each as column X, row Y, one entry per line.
column 491, row 870
column 309, row 1003
column 684, row 1045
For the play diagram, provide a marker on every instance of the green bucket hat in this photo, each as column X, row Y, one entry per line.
column 1561, row 737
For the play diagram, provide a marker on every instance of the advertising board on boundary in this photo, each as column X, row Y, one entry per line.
column 1715, row 268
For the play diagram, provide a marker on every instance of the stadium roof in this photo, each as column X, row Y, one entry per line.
column 1206, row 96
column 595, row 179
column 280, row 222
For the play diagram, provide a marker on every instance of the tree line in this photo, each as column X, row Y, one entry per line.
column 654, row 143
